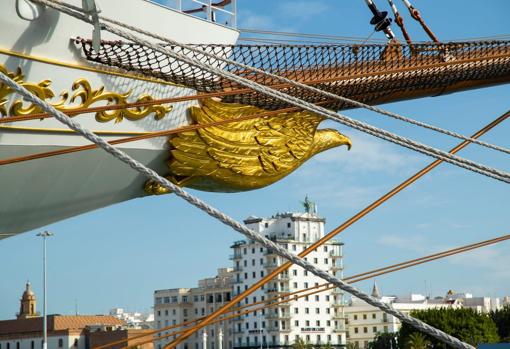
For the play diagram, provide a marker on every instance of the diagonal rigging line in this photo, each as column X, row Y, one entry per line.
column 288, row 297
column 213, row 212
column 364, row 127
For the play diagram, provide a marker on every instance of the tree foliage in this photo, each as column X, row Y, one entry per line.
column 501, row 318
column 417, row 341
column 384, row 340
column 465, row 324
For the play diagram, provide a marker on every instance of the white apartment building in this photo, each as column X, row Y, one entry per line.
column 318, row 318
column 178, row 305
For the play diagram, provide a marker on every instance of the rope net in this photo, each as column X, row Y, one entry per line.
column 370, row 74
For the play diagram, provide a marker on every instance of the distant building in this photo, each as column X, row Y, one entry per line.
column 317, row 319
column 28, row 304
column 135, row 320
column 366, row 321
column 480, row 304
column 64, row 331
column 177, row 305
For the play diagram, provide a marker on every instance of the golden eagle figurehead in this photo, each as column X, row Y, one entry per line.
column 244, row 155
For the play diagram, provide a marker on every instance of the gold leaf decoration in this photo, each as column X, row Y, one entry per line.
column 243, row 155
column 83, row 96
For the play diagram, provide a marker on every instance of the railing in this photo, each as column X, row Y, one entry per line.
column 206, row 9
column 235, row 256
column 238, row 281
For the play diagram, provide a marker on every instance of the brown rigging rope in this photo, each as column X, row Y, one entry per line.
column 335, row 232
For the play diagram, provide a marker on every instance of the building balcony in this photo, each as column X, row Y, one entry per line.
column 238, row 281
column 272, row 315
column 337, row 291
column 335, row 254
column 337, row 305
column 340, row 328
column 335, row 268
column 235, row 256
column 238, row 268
column 339, row 316
column 278, row 290
column 271, row 265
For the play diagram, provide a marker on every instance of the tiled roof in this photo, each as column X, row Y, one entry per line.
column 56, row 323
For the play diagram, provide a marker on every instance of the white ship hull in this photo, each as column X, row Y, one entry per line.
column 38, row 192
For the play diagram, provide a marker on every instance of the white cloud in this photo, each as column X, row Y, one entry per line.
column 415, row 243
column 369, row 154
column 493, row 260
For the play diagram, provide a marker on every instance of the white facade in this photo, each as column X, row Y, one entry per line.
column 66, row 341
column 318, row 318
column 135, row 319
column 178, row 305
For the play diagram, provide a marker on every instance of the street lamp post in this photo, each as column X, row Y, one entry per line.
column 44, row 235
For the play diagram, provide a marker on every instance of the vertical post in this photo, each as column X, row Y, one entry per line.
column 44, row 235
column 204, row 340
column 220, row 338
column 178, row 4
column 234, row 14
column 260, row 329
column 209, row 10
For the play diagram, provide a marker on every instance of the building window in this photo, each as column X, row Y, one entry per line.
column 328, row 310
column 365, row 329
column 266, row 224
column 327, row 297
column 17, row 345
column 253, row 262
column 32, row 345
column 317, row 310
column 295, row 285
column 315, row 261
column 307, row 311
column 244, row 250
column 262, row 273
column 325, row 248
column 60, row 343
column 76, row 343
column 159, row 312
column 317, row 298
column 374, row 329
column 294, row 248
column 296, row 323
column 307, row 323
column 355, row 317
column 261, row 261
column 306, row 285
column 318, row 323
column 326, row 261
column 288, row 225
column 364, row 316
column 374, row 316
column 166, row 312
column 328, row 323
column 294, row 272
column 355, row 330
column 296, row 310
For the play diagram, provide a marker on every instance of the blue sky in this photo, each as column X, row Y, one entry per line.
column 117, row 256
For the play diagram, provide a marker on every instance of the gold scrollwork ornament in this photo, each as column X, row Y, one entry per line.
column 83, row 96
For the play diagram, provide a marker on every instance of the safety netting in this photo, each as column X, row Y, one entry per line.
column 367, row 73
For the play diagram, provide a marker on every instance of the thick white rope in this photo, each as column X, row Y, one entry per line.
column 380, row 133
column 213, row 212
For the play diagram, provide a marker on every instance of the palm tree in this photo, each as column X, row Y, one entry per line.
column 418, row 341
